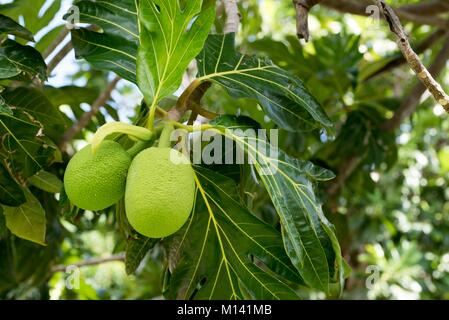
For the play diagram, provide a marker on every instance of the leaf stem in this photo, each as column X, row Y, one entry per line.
column 138, row 147
column 164, row 139
column 153, row 108
column 194, row 128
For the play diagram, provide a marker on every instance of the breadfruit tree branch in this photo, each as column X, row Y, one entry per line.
column 412, row 58
column 87, row 116
column 302, row 8
column 90, row 262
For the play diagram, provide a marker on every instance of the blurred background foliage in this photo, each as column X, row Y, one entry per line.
column 391, row 214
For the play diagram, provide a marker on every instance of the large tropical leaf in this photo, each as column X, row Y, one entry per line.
column 16, row 59
column 9, row 26
column 172, row 35
column 25, row 148
column 225, row 252
column 283, row 96
column 28, row 220
column 308, row 236
column 115, row 47
column 35, row 15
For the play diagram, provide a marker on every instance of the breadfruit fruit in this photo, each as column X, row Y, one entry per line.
column 95, row 181
column 159, row 192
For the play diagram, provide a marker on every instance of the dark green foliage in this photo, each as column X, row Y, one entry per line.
column 293, row 233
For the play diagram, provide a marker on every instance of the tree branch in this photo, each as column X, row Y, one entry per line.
column 232, row 16
column 59, row 57
column 64, row 50
column 430, row 8
column 445, row 4
column 302, row 8
column 58, row 40
column 87, row 116
column 344, row 172
column 412, row 58
column 422, row 19
column 412, row 101
column 407, row 13
column 409, row 105
column 90, row 262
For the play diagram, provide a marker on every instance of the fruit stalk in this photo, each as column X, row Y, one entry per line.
column 165, row 138
column 138, row 147
column 134, row 132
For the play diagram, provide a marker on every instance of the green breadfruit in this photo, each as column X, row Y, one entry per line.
column 97, row 181
column 159, row 193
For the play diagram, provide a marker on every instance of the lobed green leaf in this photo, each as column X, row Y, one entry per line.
column 171, row 36
column 284, row 97
column 28, row 220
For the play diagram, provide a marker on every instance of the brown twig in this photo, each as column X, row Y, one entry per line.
column 302, row 8
column 87, row 116
column 412, row 58
column 430, row 8
column 344, row 172
column 58, row 40
column 64, row 50
column 59, row 57
column 422, row 19
column 90, row 262
column 423, row 13
column 412, row 101
column 359, row 7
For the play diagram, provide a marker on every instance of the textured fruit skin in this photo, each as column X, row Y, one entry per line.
column 97, row 181
column 159, row 193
